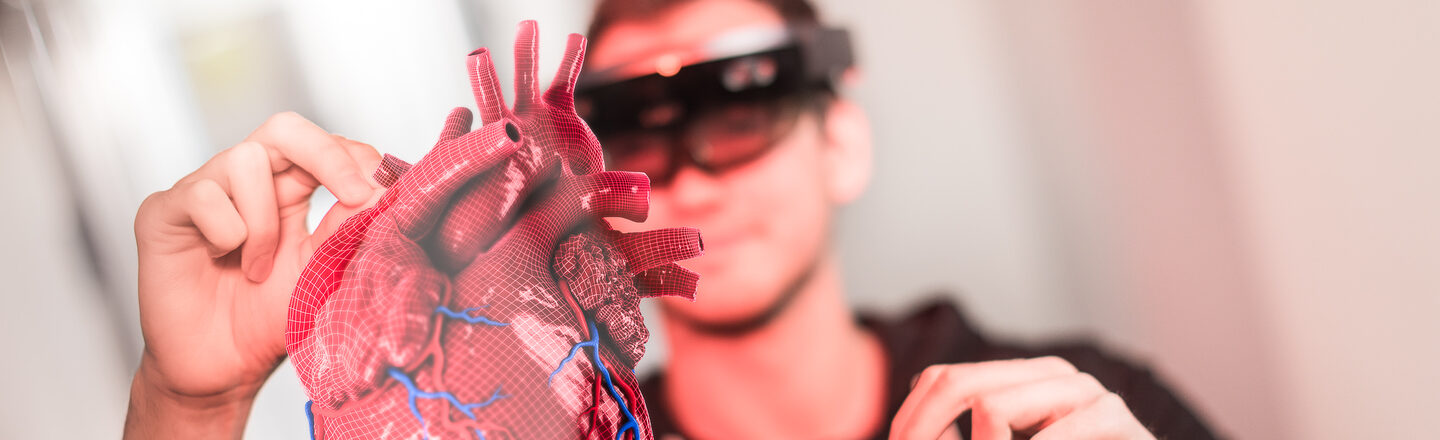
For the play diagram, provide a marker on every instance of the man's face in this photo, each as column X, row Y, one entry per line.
column 765, row 222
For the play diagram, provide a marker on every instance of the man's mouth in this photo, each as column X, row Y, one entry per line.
column 725, row 238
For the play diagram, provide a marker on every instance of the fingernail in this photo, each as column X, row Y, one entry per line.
column 260, row 269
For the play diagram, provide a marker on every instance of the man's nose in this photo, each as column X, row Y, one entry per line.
column 695, row 192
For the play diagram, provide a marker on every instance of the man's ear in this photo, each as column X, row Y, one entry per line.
column 848, row 156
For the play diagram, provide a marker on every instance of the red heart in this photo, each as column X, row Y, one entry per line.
column 483, row 296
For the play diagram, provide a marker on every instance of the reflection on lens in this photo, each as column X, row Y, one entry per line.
column 740, row 132
column 713, row 140
column 647, row 153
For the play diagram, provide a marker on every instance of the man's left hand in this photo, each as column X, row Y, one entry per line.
column 1046, row 398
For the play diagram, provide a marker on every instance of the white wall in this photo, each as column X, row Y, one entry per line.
column 954, row 208
column 60, row 349
column 1117, row 118
column 1246, row 196
column 1331, row 112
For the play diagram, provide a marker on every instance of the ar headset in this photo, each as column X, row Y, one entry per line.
column 717, row 113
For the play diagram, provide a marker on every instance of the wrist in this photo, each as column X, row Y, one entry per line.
column 158, row 411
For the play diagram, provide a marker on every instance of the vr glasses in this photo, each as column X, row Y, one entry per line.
column 776, row 63
column 717, row 113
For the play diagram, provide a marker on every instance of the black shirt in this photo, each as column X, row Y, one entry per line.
column 938, row 334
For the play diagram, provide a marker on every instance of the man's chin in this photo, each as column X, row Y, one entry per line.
column 737, row 321
column 735, row 318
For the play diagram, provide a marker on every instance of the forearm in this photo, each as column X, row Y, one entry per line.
column 157, row 413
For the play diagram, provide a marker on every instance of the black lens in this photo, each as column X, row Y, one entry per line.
column 714, row 141
column 648, row 152
column 739, row 133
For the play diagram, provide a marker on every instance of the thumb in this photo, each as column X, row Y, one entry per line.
column 336, row 216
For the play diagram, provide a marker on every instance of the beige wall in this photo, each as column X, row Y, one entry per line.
column 1118, row 118
column 1331, row 113
column 1246, row 194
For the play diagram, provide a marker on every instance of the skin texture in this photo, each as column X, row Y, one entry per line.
column 219, row 255
column 766, row 226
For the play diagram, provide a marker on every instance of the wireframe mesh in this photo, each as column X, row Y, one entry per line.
column 484, row 296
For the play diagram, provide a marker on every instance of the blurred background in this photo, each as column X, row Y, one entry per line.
column 1243, row 194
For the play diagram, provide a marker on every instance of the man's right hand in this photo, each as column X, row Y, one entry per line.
column 219, row 255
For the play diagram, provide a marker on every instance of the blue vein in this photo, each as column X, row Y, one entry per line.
column 415, row 394
column 464, row 315
column 631, row 422
column 310, row 415
column 594, row 344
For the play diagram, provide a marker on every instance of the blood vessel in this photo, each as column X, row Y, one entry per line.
column 484, row 295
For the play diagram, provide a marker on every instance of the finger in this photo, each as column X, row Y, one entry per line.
column 366, row 157
column 203, row 204
column 527, row 64
column 486, row 86
column 291, row 138
column 944, row 391
column 251, row 186
column 952, row 432
column 386, row 171
column 1106, row 417
column 562, row 89
column 1031, row 406
column 332, row 220
column 294, row 187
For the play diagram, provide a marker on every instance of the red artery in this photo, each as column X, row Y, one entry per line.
column 461, row 304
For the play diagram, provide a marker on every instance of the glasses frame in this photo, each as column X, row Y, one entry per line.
column 683, row 144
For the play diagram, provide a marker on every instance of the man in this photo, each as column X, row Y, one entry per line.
column 770, row 350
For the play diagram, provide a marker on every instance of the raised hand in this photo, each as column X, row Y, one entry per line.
column 1046, row 398
column 219, row 254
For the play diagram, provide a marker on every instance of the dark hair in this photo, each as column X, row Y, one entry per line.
column 608, row 12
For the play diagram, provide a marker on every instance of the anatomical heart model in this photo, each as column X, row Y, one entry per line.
column 484, row 296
